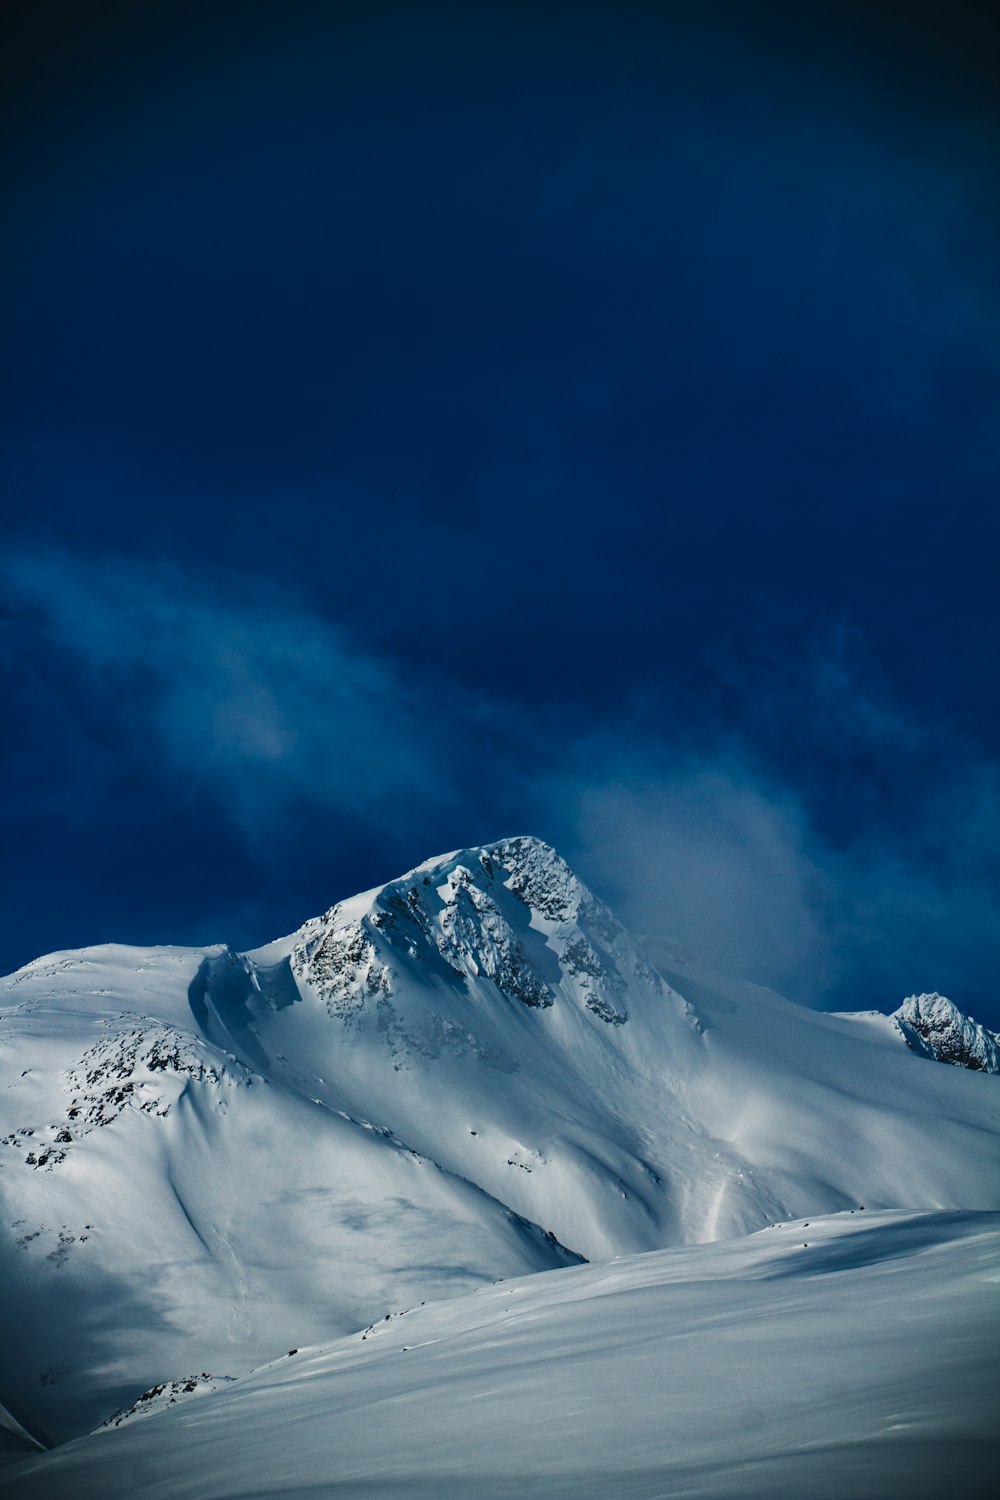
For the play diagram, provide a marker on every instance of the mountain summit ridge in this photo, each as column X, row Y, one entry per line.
column 452, row 915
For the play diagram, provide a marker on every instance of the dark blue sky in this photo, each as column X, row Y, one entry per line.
column 423, row 423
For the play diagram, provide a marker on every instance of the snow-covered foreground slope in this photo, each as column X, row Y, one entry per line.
column 207, row 1158
column 853, row 1356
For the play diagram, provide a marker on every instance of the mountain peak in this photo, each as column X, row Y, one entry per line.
column 510, row 912
column 529, row 867
column 933, row 1025
column 538, row 876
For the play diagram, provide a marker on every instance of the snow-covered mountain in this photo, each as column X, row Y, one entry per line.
column 208, row 1158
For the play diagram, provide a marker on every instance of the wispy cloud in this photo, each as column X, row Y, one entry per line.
column 711, row 859
column 221, row 682
column 710, row 851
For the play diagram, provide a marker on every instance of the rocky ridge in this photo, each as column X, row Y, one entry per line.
column 453, row 917
column 933, row 1026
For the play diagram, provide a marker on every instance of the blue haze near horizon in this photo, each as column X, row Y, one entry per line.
column 422, row 424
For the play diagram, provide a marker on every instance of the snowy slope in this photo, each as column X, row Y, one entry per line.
column 207, row 1158
column 854, row 1356
column 197, row 1216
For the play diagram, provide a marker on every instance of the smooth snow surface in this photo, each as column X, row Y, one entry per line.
column 208, row 1158
column 847, row 1357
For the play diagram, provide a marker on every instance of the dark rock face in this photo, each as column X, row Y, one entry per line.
column 933, row 1026
column 480, row 913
